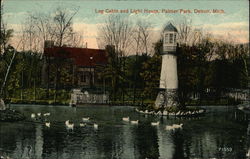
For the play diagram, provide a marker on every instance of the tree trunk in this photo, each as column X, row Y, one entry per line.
column 22, row 87
column 56, row 84
column 7, row 73
column 48, row 77
column 135, row 79
column 34, row 89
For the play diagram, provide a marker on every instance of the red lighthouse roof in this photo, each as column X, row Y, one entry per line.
column 81, row 56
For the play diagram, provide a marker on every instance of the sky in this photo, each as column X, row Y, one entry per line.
column 232, row 22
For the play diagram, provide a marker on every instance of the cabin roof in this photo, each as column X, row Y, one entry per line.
column 80, row 56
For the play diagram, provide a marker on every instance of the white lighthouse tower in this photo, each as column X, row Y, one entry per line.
column 168, row 96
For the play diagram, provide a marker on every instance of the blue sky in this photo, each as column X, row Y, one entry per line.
column 235, row 20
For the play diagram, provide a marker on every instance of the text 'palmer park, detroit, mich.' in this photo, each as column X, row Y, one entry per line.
column 157, row 11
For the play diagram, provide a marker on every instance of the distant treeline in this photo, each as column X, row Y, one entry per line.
column 214, row 65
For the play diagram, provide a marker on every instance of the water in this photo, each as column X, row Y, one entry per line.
column 222, row 133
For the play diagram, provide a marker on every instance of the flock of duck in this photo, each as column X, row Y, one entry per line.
column 168, row 127
column 70, row 125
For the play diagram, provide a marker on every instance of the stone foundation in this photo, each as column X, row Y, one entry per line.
column 167, row 98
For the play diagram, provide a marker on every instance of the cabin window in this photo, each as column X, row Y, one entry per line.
column 83, row 78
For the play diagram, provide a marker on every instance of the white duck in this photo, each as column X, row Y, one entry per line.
column 46, row 114
column 69, row 125
column 168, row 127
column 201, row 111
column 177, row 126
column 134, row 121
column 33, row 115
column 85, row 119
column 95, row 126
column 178, row 113
column 67, row 122
column 125, row 118
column 155, row 123
column 82, row 124
column 47, row 124
column 248, row 153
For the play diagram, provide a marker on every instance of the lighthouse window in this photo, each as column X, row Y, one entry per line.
column 171, row 38
column 166, row 38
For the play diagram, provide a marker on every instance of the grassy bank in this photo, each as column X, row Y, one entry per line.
column 39, row 102
column 43, row 96
column 39, row 96
column 207, row 102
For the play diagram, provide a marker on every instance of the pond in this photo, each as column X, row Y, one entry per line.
column 221, row 133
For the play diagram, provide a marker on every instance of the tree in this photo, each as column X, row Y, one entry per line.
column 30, row 35
column 42, row 26
column 184, row 28
column 56, row 26
column 5, row 49
column 117, row 33
column 151, row 72
column 142, row 36
column 9, row 66
column 63, row 21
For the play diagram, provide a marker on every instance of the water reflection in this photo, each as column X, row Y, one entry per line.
column 222, row 133
column 146, row 147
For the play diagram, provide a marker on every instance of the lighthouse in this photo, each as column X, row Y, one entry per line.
column 168, row 94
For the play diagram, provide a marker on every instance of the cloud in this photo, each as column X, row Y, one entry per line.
column 236, row 31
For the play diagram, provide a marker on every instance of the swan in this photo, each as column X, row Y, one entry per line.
column 95, row 126
column 134, row 121
column 125, row 118
column 33, row 115
column 155, row 123
column 39, row 114
column 47, row 124
column 85, row 119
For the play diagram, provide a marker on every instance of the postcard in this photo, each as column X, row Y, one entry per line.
column 128, row 79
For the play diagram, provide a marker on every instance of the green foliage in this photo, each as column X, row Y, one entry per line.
column 200, row 67
column 151, row 73
column 6, row 35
